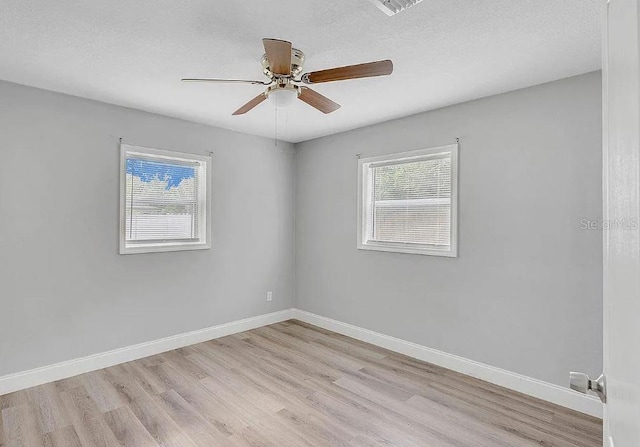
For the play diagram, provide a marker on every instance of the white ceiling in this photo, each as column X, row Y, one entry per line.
column 133, row 53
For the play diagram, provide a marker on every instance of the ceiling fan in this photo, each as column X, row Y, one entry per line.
column 282, row 64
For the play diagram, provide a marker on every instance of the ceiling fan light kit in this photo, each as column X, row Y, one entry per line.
column 283, row 96
column 283, row 64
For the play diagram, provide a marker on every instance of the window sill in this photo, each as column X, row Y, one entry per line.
column 408, row 249
column 159, row 248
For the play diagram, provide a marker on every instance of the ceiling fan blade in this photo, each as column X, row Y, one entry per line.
column 315, row 99
column 251, row 104
column 371, row 69
column 224, row 81
column 279, row 55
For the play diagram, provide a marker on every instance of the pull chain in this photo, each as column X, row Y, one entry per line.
column 275, row 131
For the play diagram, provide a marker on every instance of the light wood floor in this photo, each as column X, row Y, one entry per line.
column 285, row 385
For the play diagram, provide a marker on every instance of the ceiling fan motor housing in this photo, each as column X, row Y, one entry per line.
column 297, row 62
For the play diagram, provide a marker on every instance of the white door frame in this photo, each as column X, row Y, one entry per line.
column 621, row 212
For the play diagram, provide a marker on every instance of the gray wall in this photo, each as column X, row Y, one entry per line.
column 525, row 293
column 64, row 290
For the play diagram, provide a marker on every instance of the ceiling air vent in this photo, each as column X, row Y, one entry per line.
column 392, row 7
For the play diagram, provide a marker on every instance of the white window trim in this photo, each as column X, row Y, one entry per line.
column 397, row 247
column 204, row 187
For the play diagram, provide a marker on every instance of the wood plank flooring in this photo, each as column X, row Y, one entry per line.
column 285, row 385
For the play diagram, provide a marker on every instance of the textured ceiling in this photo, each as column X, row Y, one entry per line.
column 133, row 53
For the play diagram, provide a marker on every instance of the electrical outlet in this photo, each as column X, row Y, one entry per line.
column 269, row 296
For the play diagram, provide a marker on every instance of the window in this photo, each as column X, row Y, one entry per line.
column 407, row 202
column 164, row 200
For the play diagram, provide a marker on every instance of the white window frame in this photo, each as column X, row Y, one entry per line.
column 363, row 205
column 204, row 190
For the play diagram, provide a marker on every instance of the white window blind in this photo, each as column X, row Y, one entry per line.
column 162, row 200
column 165, row 201
column 407, row 202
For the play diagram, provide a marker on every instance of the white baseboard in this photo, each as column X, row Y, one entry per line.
column 63, row 370
column 523, row 384
column 536, row 388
